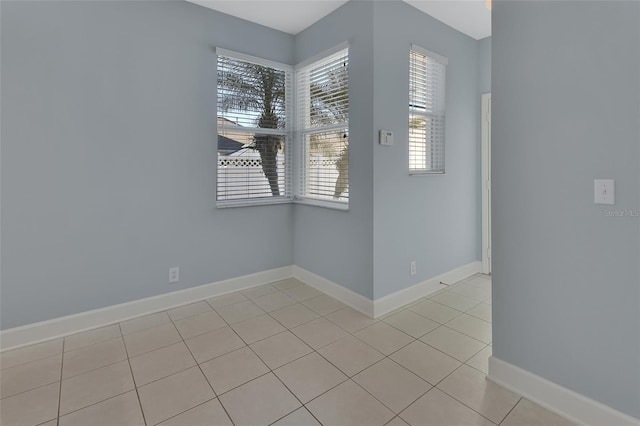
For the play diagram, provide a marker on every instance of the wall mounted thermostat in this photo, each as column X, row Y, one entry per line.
column 386, row 137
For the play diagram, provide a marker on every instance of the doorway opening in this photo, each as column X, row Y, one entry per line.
column 486, row 182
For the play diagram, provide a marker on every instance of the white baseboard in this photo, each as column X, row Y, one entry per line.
column 58, row 327
column 400, row 298
column 565, row 402
column 14, row 338
column 343, row 294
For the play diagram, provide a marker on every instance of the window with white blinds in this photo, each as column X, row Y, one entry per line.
column 426, row 111
column 253, row 122
column 322, row 111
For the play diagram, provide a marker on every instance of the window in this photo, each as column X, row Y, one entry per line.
column 426, row 111
column 253, row 130
column 323, row 130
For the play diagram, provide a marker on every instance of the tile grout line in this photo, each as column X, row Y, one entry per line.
column 216, row 396
column 509, row 412
column 133, row 378
column 60, row 388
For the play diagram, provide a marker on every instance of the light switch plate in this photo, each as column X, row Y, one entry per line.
column 604, row 191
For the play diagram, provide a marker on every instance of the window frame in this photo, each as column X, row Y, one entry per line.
column 286, row 132
column 301, row 131
column 413, row 111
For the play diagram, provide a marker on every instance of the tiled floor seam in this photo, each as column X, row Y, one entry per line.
column 509, row 412
column 135, row 386
column 60, row 388
column 461, row 402
column 216, row 396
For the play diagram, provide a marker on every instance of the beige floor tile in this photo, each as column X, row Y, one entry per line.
column 50, row 423
column 383, row 337
column 210, row 345
column 95, row 386
column 199, row 324
column 434, row 311
column 350, row 355
column 438, row 409
column 411, row 323
column 310, row 376
column 472, row 327
column 454, row 300
column 240, row 311
column 273, row 301
column 480, row 361
column 143, row 323
column 397, row 421
column 226, row 300
column 151, row 339
column 300, row 417
column 187, row 311
column 350, row 320
column 392, row 384
column 210, row 413
column 294, row 315
column 427, row 362
column 95, row 356
column 233, row 369
column 30, row 408
column 482, row 311
column 472, row 292
column 280, row 349
column 259, row 402
column 257, row 328
column 29, row 376
column 480, row 281
column 453, row 343
column 122, row 410
column 323, row 304
column 91, row 337
column 161, row 363
column 258, row 291
column 526, row 413
column 173, row 395
column 470, row 387
column 319, row 332
column 30, row 353
column 349, row 405
column 285, row 284
column 302, row 292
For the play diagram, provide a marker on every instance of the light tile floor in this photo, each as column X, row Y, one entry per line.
column 281, row 354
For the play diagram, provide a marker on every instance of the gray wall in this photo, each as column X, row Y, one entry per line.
column 338, row 245
column 566, row 108
column 484, row 65
column 432, row 219
column 109, row 151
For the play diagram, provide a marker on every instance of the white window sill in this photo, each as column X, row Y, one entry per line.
column 426, row 173
column 252, row 202
column 335, row 205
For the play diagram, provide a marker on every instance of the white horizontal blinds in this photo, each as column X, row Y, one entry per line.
column 323, row 128
column 253, row 108
column 426, row 112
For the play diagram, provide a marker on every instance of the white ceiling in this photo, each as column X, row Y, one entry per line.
column 470, row 17
column 289, row 16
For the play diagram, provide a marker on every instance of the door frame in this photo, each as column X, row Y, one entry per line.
column 485, row 154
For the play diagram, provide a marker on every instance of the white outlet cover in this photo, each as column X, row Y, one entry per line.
column 174, row 275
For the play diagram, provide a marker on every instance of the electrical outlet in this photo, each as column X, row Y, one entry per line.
column 174, row 275
column 412, row 265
